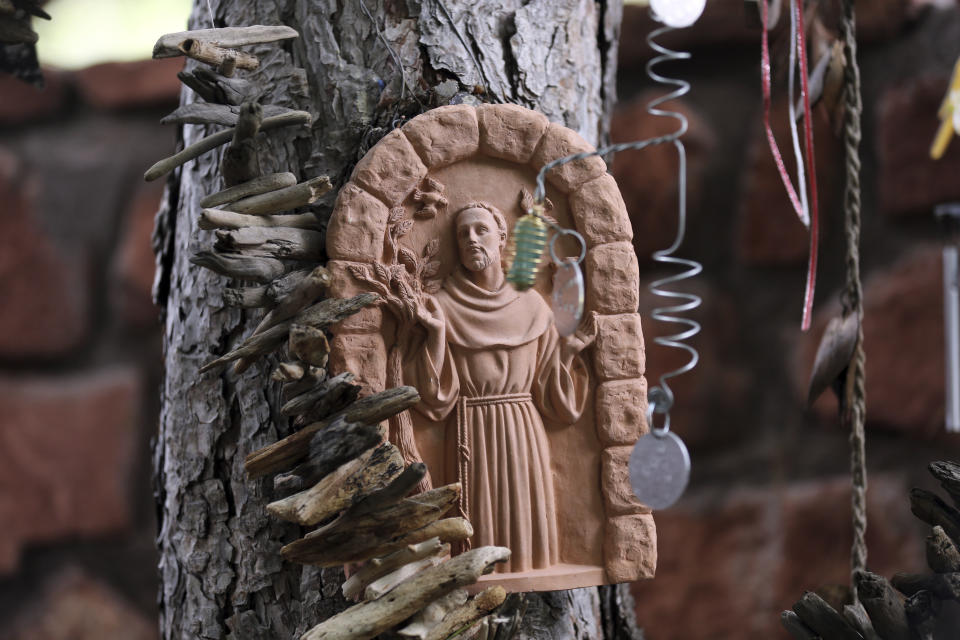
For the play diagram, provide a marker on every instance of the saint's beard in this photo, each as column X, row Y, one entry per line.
column 478, row 260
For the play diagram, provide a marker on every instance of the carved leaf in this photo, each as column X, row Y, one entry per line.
column 382, row 272
column 432, row 248
column 434, row 185
column 396, row 214
column 425, row 213
column 432, row 286
column 409, row 258
column 404, row 227
column 432, row 269
column 359, row 272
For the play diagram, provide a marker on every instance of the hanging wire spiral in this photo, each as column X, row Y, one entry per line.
column 660, row 398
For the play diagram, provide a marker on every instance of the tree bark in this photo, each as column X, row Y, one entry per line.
column 220, row 564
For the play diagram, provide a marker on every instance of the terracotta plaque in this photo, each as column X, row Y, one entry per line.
column 521, row 416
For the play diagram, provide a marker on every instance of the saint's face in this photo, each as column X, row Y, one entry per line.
column 478, row 239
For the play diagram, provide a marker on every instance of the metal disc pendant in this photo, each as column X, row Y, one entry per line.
column 659, row 469
column 567, row 296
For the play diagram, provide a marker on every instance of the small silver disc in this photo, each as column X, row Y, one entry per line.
column 659, row 469
column 567, row 296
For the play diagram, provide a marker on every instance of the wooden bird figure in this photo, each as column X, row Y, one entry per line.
column 949, row 115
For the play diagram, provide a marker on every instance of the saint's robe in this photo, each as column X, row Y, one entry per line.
column 495, row 371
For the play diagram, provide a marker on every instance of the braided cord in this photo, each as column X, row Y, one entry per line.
column 855, row 392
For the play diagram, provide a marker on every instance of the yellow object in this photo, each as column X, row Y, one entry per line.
column 949, row 115
column 527, row 242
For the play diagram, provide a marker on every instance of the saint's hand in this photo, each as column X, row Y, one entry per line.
column 429, row 314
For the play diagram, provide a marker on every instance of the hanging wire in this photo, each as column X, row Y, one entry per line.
column 660, row 398
column 792, row 110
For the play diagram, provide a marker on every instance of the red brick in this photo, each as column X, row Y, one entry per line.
column 75, row 606
column 727, row 566
column 903, row 338
column 118, row 85
column 44, row 289
column 769, row 232
column 23, row 102
column 648, row 178
column 68, row 443
column 134, row 264
column 909, row 181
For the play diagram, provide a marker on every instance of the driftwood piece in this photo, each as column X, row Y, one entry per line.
column 241, row 267
column 221, row 219
column 339, row 443
column 469, row 613
column 169, row 45
column 330, row 396
column 928, row 506
column 398, row 518
column 373, row 545
column 942, row 554
column 241, row 161
column 290, row 450
column 398, row 488
column 376, row 568
column 430, row 616
column 312, row 376
column 288, row 372
column 263, row 184
column 823, row 619
column 246, row 297
column 857, row 616
column 298, row 195
column 342, row 488
column 224, row 60
column 884, row 605
column 795, row 627
column 369, row 619
column 214, row 140
column 948, row 474
column 252, row 347
column 302, row 294
column 309, row 344
column 276, row 242
column 945, row 586
column 224, row 115
column 385, row 583
column 321, row 314
column 922, row 610
column 283, row 286
column 218, row 89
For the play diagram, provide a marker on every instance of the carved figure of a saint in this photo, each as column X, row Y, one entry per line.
column 495, row 369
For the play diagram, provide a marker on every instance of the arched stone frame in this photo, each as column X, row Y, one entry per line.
column 618, row 530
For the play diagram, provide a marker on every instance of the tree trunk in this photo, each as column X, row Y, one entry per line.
column 221, row 571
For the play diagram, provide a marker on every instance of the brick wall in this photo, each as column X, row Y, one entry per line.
column 79, row 350
column 767, row 512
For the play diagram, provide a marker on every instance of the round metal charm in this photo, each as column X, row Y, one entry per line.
column 659, row 469
column 567, row 296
